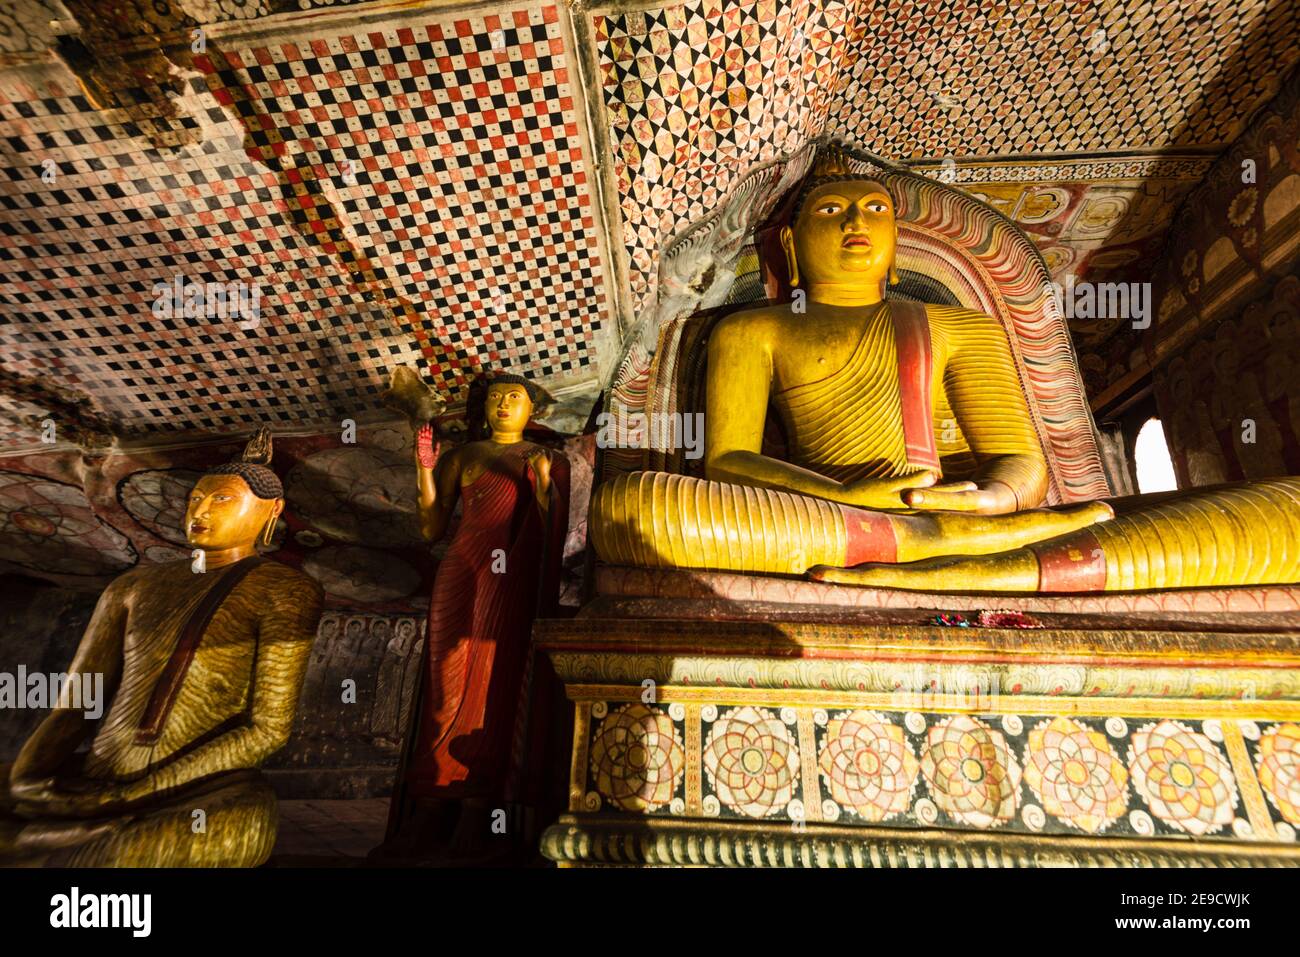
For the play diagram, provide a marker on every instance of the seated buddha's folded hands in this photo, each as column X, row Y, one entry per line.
column 993, row 498
column 57, row 797
column 36, row 797
column 893, row 493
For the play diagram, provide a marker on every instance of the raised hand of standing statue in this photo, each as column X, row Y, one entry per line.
column 426, row 447
column 434, row 501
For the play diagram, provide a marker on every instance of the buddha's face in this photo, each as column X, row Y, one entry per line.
column 224, row 513
column 508, row 407
column 845, row 234
column 1225, row 359
column 1178, row 382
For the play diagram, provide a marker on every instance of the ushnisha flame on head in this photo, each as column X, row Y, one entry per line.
column 831, row 165
column 253, row 466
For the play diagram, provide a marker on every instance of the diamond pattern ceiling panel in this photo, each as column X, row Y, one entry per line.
column 1088, row 216
column 697, row 91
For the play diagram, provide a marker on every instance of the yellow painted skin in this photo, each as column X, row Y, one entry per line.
column 1234, row 535
column 831, row 374
column 507, row 409
column 132, row 804
column 660, row 520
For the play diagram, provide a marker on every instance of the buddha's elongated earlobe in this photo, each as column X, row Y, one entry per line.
column 268, row 530
column 890, row 280
column 792, row 264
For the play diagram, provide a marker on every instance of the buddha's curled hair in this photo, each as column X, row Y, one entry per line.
column 253, row 466
column 536, row 394
column 831, row 165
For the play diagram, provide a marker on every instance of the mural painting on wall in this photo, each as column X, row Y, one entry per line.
column 349, row 519
column 1225, row 337
column 50, row 526
column 1099, row 220
column 381, row 655
column 1228, row 404
column 1087, row 216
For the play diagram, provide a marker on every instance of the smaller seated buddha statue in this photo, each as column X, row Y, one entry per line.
column 203, row 661
column 858, row 383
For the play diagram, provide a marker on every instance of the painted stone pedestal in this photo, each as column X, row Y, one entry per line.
column 767, row 739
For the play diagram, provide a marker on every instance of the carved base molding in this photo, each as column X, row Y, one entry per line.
column 590, row 840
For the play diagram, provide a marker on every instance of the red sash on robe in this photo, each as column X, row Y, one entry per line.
column 915, row 374
column 173, row 674
column 870, row 534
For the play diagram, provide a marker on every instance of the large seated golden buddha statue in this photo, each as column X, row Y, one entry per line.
column 858, row 384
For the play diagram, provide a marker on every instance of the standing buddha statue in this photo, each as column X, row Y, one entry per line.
column 856, row 381
column 480, row 709
column 204, row 661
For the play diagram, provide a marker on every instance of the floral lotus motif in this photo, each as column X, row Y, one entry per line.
column 637, row 759
column 1076, row 774
column 752, row 761
column 1183, row 777
column 157, row 499
column 868, row 765
column 1279, row 769
column 51, row 526
column 1241, row 207
column 972, row 774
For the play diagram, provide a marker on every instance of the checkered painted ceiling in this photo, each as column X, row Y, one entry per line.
column 427, row 183
column 408, row 191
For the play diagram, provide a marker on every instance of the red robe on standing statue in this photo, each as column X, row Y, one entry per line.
column 484, row 701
